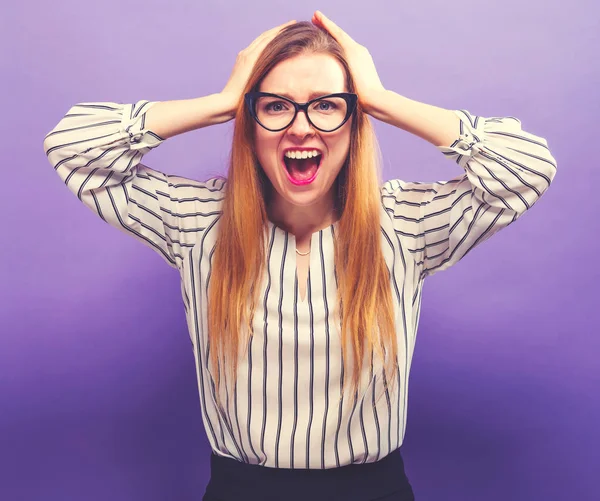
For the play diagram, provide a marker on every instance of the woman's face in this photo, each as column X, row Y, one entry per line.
column 301, row 79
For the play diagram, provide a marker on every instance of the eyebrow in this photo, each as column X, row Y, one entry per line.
column 312, row 95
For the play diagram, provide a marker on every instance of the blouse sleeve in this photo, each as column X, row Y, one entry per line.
column 507, row 170
column 96, row 149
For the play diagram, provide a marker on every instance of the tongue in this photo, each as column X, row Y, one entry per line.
column 302, row 169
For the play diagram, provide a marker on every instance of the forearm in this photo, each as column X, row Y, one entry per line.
column 169, row 118
column 436, row 125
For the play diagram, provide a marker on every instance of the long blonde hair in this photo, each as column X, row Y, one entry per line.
column 364, row 299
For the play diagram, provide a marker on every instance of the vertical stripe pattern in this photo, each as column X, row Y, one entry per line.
column 285, row 410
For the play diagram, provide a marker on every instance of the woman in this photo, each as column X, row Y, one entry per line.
column 300, row 270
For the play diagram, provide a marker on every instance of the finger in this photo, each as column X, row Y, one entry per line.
column 329, row 24
column 269, row 34
column 277, row 29
column 262, row 41
column 331, row 27
column 293, row 21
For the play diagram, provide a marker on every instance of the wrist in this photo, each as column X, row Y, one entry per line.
column 229, row 103
column 374, row 102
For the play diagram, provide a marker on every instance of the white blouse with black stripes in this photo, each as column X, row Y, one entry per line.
column 285, row 410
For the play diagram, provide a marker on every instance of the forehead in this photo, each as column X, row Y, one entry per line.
column 300, row 76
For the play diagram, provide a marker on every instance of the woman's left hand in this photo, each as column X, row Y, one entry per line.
column 362, row 67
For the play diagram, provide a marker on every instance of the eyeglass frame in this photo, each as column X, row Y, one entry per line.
column 350, row 98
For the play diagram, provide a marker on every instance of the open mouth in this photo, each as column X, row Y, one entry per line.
column 302, row 170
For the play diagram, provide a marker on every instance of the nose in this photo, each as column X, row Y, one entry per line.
column 301, row 127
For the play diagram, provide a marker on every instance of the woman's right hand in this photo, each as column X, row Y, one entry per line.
column 244, row 64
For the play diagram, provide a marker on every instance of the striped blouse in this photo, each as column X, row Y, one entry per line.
column 286, row 410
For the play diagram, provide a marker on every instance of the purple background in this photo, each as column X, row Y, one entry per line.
column 98, row 393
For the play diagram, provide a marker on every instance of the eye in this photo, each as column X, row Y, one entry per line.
column 275, row 106
column 325, row 106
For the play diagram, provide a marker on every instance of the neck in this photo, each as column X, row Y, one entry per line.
column 303, row 221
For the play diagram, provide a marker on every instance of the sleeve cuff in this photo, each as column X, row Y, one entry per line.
column 473, row 135
column 133, row 126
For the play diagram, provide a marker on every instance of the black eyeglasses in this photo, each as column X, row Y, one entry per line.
column 325, row 113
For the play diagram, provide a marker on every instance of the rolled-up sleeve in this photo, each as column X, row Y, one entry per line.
column 506, row 169
column 97, row 148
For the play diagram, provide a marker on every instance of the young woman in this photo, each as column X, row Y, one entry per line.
column 301, row 271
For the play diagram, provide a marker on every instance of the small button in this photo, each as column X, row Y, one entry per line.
column 135, row 138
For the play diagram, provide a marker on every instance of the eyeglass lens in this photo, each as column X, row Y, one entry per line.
column 276, row 113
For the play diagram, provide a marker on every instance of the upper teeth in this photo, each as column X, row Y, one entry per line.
column 301, row 154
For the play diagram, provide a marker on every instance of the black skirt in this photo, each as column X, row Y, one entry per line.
column 383, row 480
